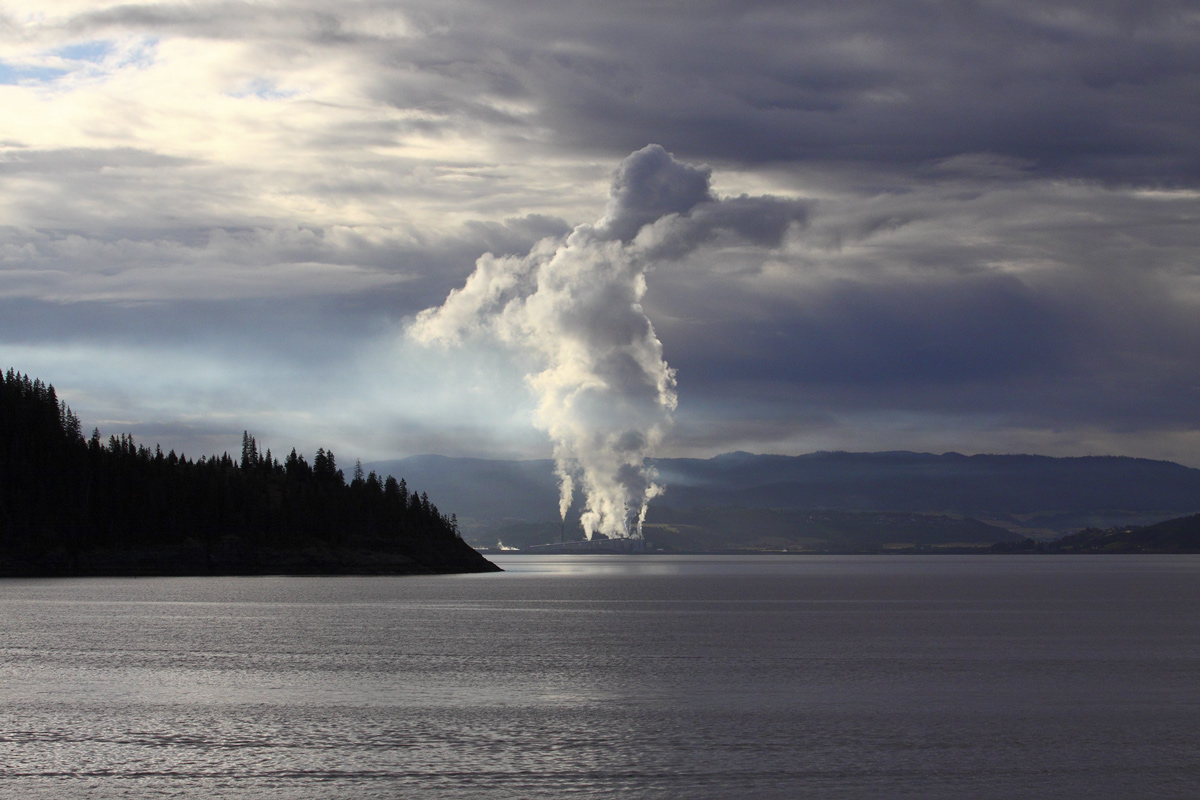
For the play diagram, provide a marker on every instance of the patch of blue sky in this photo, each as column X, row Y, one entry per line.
column 141, row 55
column 95, row 51
column 264, row 90
column 14, row 74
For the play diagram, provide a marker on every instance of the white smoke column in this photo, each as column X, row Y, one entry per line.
column 606, row 395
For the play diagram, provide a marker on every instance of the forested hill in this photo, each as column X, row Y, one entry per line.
column 71, row 505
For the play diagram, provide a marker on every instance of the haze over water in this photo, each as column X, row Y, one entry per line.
column 692, row 677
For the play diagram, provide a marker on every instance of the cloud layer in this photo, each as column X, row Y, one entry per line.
column 921, row 226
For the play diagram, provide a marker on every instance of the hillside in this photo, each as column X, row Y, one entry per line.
column 752, row 530
column 1170, row 536
column 76, row 506
column 1036, row 496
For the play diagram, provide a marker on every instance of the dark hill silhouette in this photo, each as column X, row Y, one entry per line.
column 70, row 506
column 1169, row 536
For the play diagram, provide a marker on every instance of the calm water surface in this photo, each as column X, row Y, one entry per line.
column 610, row 676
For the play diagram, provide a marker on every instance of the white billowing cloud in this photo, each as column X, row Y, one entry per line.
column 605, row 394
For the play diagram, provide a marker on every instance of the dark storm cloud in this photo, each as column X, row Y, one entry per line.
column 1098, row 90
column 890, row 334
column 1039, row 356
column 1084, row 89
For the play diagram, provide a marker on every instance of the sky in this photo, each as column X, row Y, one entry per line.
column 979, row 219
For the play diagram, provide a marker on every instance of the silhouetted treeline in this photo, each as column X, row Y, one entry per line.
column 63, row 496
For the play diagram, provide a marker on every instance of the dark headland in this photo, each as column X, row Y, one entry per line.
column 76, row 506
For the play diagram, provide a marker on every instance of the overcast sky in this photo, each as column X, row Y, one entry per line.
column 224, row 216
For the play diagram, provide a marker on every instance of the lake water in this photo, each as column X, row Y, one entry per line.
column 610, row 676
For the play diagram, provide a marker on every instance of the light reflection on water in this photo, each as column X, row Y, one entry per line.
column 604, row 676
column 596, row 565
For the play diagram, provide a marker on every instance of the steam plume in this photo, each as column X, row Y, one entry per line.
column 606, row 395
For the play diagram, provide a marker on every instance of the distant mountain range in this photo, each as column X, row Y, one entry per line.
column 1037, row 496
column 757, row 530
